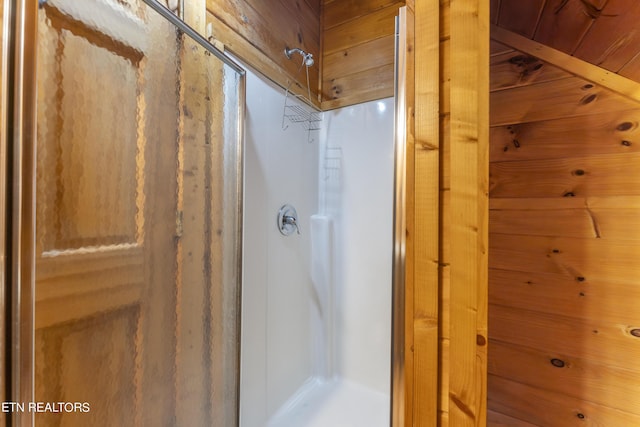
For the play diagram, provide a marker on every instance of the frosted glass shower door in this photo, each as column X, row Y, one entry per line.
column 137, row 220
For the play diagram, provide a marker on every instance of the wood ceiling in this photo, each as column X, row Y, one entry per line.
column 605, row 33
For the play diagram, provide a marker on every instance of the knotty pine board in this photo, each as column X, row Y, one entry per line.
column 520, row 17
column 593, row 259
column 587, row 298
column 358, row 52
column 609, row 224
column 544, row 408
column 366, row 28
column 339, row 12
column 586, row 339
column 496, row 419
column 603, row 133
column 513, row 68
column 611, row 43
column 585, row 176
column 567, row 97
column 571, row 376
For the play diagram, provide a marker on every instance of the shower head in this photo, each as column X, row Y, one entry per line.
column 307, row 57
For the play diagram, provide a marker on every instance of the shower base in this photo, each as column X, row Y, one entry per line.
column 335, row 403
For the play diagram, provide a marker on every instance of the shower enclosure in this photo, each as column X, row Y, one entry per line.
column 316, row 305
column 125, row 201
column 129, row 215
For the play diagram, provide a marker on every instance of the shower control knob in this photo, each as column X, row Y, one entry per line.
column 288, row 220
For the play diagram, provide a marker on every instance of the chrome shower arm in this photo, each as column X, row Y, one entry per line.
column 308, row 57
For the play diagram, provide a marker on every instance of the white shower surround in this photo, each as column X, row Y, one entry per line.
column 281, row 330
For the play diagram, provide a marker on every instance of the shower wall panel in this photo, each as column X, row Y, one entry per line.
column 361, row 204
column 281, row 167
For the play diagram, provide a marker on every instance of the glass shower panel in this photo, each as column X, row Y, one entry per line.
column 138, row 221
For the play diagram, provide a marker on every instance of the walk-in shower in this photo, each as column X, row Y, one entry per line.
column 316, row 308
column 131, row 214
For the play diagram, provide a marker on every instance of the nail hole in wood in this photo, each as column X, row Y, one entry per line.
column 635, row 332
column 505, row 149
column 580, row 279
column 557, row 363
column 516, row 143
column 582, row 294
column 569, row 194
column 587, row 86
column 556, row 251
column 626, row 143
column 580, row 415
column 579, row 172
column 624, row 126
column 595, row 331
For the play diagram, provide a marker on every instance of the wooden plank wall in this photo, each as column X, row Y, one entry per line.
column 447, row 236
column 352, row 43
column 358, row 51
column 564, row 239
column 258, row 32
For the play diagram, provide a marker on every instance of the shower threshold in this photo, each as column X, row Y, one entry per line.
column 336, row 403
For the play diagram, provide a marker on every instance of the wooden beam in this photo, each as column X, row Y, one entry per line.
column 468, row 212
column 424, row 217
column 593, row 73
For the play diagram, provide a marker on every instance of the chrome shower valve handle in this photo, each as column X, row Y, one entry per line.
column 288, row 220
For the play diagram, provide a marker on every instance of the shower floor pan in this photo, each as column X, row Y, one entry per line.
column 336, row 403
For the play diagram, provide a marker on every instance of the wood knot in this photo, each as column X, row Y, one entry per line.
column 587, row 86
column 624, row 126
column 481, row 340
column 635, row 332
column 588, row 99
column 522, row 60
